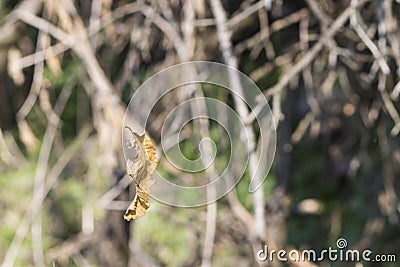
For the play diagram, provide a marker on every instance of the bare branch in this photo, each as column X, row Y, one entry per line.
column 354, row 18
column 41, row 170
column 245, row 14
column 223, row 35
column 315, row 49
column 168, row 29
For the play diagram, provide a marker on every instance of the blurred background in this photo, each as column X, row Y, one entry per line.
column 329, row 69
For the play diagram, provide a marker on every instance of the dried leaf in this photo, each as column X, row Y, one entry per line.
column 141, row 169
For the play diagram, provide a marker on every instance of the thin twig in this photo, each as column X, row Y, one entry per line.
column 115, row 191
column 391, row 199
column 392, row 28
column 45, row 26
column 41, row 169
column 318, row 12
column 94, row 21
column 264, row 26
column 315, row 49
column 354, row 21
column 35, row 86
column 391, row 109
column 168, row 30
column 42, row 161
column 93, row 29
column 198, row 110
column 223, row 35
column 5, row 154
column 274, row 27
column 244, row 14
column 188, row 29
column 8, row 29
column 70, row 247
column 201, row 109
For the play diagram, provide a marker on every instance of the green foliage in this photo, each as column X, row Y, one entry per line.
column 67, row 204
column 162, row 239
column 242, row 190
column 15, row 198
column 71, row 70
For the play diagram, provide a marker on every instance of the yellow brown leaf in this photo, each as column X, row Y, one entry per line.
column 141, row 169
